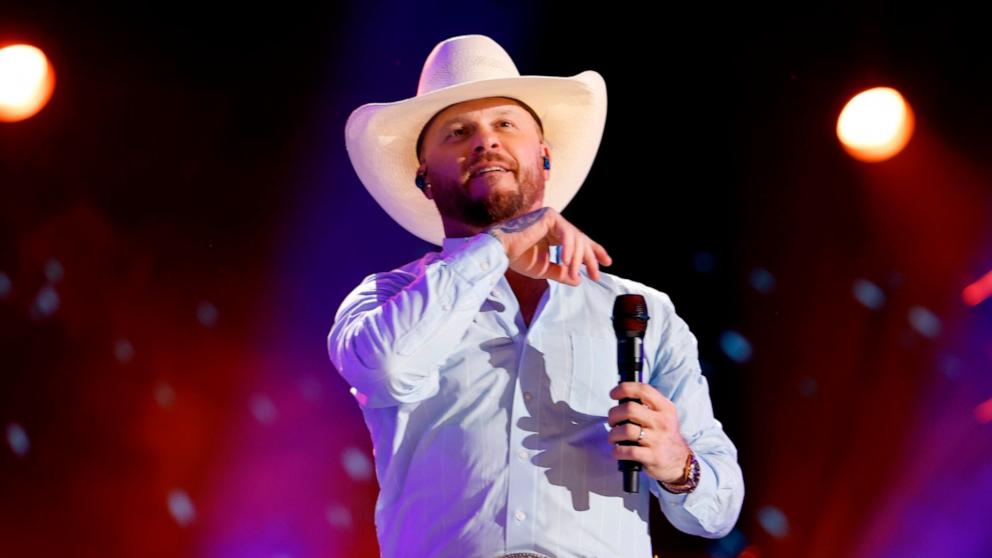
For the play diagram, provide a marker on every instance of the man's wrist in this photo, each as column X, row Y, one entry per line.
column 689, row 480
column 496, row 233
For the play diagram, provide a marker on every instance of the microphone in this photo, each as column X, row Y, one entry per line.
column 630, row 321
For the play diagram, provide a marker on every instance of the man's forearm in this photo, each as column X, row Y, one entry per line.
column 393, row 331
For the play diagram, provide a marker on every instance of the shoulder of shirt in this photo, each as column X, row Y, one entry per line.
column 410, row 271
column 611, row 286
column 407, row 272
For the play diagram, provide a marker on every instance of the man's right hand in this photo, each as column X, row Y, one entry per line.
column 528, row 237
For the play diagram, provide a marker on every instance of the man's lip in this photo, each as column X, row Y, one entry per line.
column 477, row 174
column 474, row 172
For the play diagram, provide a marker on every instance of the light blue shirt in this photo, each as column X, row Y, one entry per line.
column 491, row 437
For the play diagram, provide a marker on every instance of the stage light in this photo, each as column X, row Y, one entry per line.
column 26, row 82
column 875, row 125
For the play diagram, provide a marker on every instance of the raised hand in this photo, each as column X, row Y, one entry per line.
column 527, row 238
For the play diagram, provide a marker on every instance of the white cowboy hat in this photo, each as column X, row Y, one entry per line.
column 381, row 138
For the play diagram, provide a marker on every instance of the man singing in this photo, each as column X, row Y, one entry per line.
column 487, row 372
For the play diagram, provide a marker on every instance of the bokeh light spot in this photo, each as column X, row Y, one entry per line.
column 975, row 293
column 735, row 346
column 207, row 314
column 773, row 521
column 356, row 464
column 983, row 412
column 26, row 82
column 868, row 294
column 875, row 124
column 338, row 516
column 54, row 270
column 165, row 396
column 46, row 303
column 18, row 440
column 181, row 507
column 925, row 322
column 762, row 280
column 123, row 351
column 263, row 409
column 6, row 286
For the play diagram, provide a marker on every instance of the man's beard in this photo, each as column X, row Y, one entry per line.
column 500, row 205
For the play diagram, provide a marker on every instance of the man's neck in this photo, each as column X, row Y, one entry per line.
column 526, row 288
column 454, row 228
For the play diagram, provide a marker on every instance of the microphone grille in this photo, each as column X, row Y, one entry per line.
column 630, row 315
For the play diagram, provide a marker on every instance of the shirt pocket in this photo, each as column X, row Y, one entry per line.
column 594, row 374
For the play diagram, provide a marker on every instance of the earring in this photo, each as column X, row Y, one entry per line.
column 547, row 163
column 420, row 182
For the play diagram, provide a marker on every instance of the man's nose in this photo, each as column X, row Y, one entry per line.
column 484, row 140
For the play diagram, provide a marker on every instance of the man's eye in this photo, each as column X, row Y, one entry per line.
column 506, row 124
column 456, row 132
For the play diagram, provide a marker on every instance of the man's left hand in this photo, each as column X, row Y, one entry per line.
column 661, row 449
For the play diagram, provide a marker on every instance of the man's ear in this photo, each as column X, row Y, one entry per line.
column 546, row 152
column 422, row 175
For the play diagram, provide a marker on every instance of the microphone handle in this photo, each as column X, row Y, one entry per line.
column 631, row 478
column 630, row 368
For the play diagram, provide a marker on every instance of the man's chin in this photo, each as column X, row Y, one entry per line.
column 484, row 205
column 480, row 188
column 487, row 214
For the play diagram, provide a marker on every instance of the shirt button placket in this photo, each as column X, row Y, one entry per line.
column 524, row 489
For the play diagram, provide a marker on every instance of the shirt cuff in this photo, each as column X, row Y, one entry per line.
column 694, row 502
column 483, row 256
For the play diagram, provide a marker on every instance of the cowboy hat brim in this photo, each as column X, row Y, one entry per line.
column 381, row 140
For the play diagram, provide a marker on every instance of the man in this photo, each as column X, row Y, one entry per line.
column 487, row 372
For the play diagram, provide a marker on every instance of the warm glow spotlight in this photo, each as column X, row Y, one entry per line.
column 875, row 125
column 978, row 291
column 983, row 412
column 26, row 82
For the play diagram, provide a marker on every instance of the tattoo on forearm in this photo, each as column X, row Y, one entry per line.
column 520, row 223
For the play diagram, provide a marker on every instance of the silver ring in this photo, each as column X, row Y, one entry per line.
column 641, row 433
